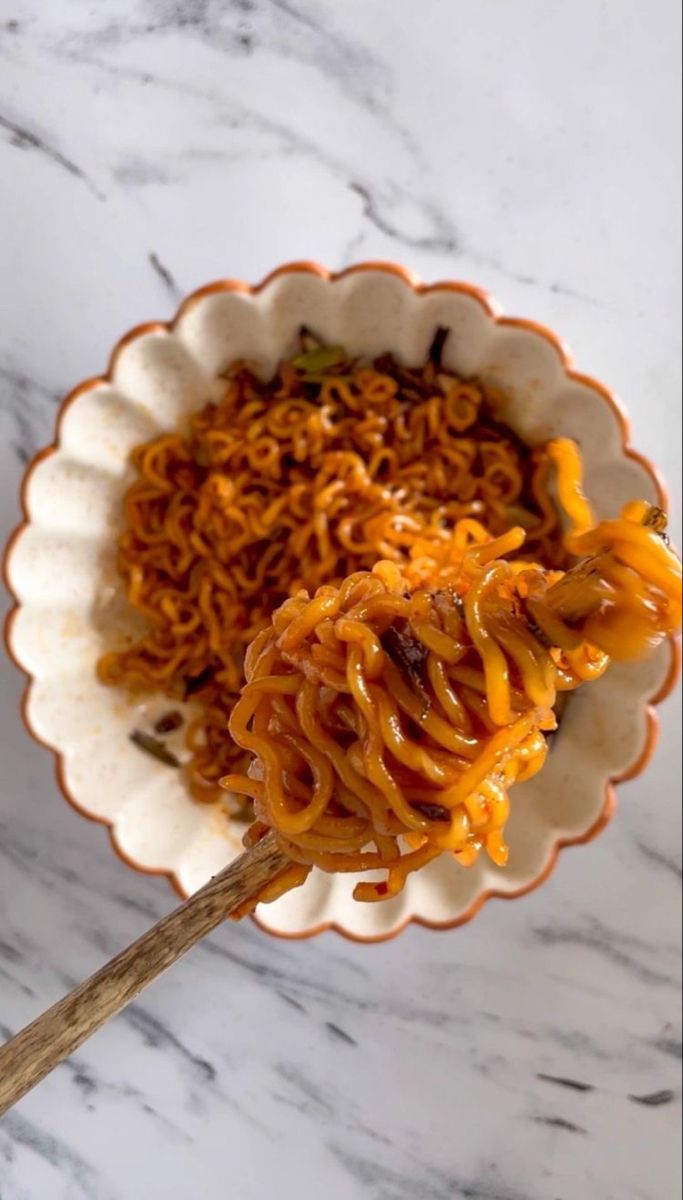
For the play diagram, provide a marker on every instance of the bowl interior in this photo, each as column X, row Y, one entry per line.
column 62, row 571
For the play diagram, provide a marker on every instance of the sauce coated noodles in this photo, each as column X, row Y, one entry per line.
column 363, row 582
column 389, row 717
column 298, row 483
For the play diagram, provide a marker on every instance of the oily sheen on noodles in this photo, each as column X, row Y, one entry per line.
column 389, row 717
column 298, row 483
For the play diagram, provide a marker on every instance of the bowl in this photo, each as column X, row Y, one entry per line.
column 60, row 568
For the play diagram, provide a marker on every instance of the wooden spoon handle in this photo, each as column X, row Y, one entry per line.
column 47, row 1041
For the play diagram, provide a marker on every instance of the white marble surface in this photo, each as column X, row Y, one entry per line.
column 147, row 146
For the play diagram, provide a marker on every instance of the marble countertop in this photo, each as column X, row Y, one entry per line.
column 147, row 146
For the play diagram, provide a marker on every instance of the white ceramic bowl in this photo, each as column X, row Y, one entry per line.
column 60, row 568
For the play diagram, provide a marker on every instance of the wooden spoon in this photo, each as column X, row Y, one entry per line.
column 52, row 1037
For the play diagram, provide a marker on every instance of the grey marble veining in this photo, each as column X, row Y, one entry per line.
column 147, row 146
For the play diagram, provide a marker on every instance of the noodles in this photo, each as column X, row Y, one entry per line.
column 388, row 720
column 339, row 569
column 299, row 483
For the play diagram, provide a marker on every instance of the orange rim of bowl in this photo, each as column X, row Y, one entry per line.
column 494, row 311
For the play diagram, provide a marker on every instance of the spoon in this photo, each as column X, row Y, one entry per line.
column 34, row 1052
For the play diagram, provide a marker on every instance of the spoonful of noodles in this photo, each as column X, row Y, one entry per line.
column 388, row 719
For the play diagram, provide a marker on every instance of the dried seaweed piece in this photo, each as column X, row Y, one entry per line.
column 433, row 812
column 437, row 347
column 154, row 747
column 408, row 654
column 169, row 722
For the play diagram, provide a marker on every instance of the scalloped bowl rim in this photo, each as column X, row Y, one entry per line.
column 494, row 312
